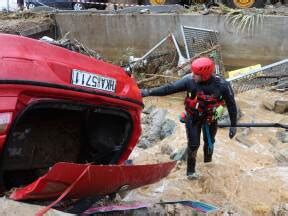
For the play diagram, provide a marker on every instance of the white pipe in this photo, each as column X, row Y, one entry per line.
column 8, row 8
column 181, row 60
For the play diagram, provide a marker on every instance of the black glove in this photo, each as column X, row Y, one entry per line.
column 232, row 132
column 145, row 92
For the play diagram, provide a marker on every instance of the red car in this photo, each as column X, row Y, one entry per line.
column 61, row 106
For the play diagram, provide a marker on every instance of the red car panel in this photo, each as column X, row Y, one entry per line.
column 98, row 180
column 51, row 123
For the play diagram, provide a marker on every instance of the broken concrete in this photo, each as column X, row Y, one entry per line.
column 155, row 127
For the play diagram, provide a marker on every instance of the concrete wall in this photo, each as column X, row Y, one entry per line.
column 112, row 34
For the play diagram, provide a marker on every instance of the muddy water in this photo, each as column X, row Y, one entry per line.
column 241, row 180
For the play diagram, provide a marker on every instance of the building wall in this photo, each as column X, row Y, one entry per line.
column 12, row 4
column 112, row 34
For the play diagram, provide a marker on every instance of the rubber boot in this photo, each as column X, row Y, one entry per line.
column 191, row 164
column 207, row 154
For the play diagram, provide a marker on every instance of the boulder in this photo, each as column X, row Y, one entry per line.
column 282, row 136
column 180, row 154
column 166, row 149
column 281, row 156
column 167, row 128
column 281, row 106
column 155, row 126
column 225, row 119
column 280, row 209
column 268, row 104
column 242, row 137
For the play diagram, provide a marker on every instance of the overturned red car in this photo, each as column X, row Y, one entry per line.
column 59, row 106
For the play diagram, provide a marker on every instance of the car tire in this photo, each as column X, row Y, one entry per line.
column 160, row 2
column 30, row 6
column 78, row 6
column 245, row 4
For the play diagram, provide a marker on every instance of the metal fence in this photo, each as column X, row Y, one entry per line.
column 199, row 40
column 155, row 67
column 273, row 74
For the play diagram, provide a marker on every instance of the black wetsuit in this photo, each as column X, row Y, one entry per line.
column 217, row 87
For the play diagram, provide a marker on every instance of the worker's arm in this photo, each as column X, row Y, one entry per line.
column 171, row 88
column 229, row 99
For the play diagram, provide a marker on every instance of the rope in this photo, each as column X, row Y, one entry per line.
column 68, row 190
column 210, row 143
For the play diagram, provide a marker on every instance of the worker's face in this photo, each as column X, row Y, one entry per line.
column 197, row 78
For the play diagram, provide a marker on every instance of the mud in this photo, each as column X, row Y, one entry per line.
column 241, row 180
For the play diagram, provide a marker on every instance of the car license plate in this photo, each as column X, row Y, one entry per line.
column 90, row 80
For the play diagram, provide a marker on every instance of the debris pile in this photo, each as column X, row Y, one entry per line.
column 73, row 45
column 25, row 23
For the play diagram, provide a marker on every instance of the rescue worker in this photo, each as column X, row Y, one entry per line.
column 206, row 93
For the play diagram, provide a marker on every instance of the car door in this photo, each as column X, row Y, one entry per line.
column 50, row 3
column 64, row 4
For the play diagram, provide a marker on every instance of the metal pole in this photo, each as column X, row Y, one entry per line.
column 256, row 125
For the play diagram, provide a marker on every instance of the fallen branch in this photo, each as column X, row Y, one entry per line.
column 182, row 67
column 147, row 80
column 164, row 76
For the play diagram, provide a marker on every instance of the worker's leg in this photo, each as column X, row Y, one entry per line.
column 209, row 141
column 193, row 131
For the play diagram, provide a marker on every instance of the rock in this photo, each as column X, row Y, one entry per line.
column 149, row 109
column 282, row 136
column 281, row 106
column 179, row 155
column 158, row 118
column 274, row 142
column 242, row 137
column 144, row 143
column 268, row 104
column 166, row 149
column 156, row 127
column 225, row 119
column 280, row 209
column 243, row 140
column 167, row 128
column 281, row 156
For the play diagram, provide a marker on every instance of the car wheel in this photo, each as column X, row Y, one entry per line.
column 160, row 2
column 245, row 3
column 31, row 5
column 78, row 6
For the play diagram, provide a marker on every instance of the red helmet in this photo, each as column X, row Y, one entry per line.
column 203, row 67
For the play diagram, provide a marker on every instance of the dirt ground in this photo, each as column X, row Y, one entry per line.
column 16, row 23
column 241, row 180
